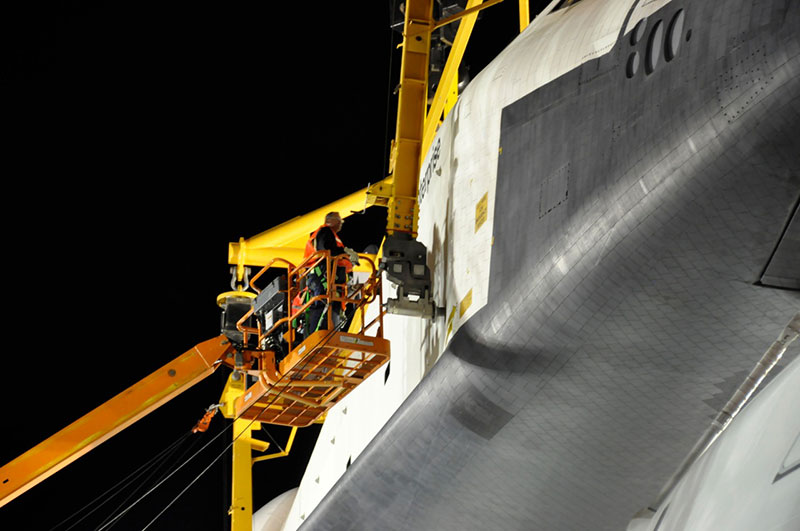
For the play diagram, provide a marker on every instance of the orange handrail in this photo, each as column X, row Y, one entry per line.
column 328, row 364
column 365, row 294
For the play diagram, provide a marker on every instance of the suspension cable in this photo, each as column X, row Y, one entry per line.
column 121, row 484
column 271, row 438
column 306, row 360
column 147, row 479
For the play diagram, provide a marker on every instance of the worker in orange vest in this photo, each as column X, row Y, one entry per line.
column 326, row 238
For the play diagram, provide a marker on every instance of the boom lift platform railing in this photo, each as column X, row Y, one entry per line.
column 320, row 369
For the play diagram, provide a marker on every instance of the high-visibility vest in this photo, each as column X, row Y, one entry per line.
column 311, row 248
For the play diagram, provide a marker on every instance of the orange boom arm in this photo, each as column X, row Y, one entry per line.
column 53, row 454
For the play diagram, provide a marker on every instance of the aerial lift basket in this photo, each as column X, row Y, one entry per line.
column 324, row 367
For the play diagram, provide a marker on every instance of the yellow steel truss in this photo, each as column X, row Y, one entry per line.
column 411, row 110
column 450, row 72
column 524, row 15
column 416, row 127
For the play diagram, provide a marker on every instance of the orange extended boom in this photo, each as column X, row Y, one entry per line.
column 53, row 454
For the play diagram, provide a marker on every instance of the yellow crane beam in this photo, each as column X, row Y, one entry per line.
column 411, row 110
column 288, row 240
column 416, row 127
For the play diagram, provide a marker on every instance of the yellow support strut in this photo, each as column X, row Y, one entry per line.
column 288, row 240
column 411, row 110
column 450, row 72
column 524, row 15
column 241, row 510
column 282, row 453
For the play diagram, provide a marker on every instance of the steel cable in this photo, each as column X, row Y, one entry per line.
column 147, row 479
column 121, row 484
column 306, row 360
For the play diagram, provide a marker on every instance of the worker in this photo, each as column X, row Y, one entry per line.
column 326, row 238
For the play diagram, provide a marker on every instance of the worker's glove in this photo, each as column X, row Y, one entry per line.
column 352, row 255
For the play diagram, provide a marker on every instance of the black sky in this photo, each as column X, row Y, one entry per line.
column 141, row 138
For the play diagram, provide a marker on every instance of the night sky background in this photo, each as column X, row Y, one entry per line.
column 139, row 138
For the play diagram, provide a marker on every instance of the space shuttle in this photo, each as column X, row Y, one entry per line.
column 609, row 215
